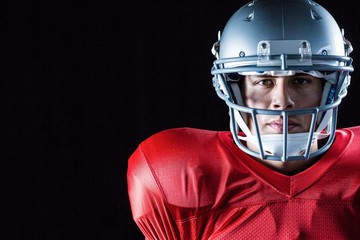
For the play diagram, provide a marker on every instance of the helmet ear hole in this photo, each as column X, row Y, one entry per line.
column 233, row 76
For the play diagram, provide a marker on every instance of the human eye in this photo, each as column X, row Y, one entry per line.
column 264, row 82
column 301, row 81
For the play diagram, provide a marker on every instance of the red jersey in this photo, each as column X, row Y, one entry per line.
column 197, row 184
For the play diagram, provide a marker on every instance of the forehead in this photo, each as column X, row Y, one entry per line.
column 317, row 74
column 288, row 77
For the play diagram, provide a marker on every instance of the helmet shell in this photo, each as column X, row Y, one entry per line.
column 281, row 21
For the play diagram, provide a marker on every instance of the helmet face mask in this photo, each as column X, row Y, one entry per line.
column 282, row 38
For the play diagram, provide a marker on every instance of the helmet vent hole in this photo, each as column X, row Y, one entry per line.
column 312, row 3
column 302, row 152
column 250, row 17
column 251, row 3
column 315, row 15
column 268, row 152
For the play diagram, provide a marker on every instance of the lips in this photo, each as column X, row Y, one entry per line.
column 278, row 125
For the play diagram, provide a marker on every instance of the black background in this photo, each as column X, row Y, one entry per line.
column 83, row 82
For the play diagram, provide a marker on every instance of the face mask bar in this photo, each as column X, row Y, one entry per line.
column 322, row 63
column 310, row 136
column 339, row 64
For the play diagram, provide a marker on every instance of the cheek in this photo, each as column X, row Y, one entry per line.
column 312, row 100
column 313, row 96
column 255, row 100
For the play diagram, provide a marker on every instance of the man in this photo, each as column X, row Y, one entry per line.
column 283, row 171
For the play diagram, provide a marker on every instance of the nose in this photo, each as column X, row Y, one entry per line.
column 282, row 97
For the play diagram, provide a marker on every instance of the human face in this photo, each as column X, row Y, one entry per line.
column 281, row 93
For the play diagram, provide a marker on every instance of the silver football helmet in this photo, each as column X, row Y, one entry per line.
column 282, row 37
